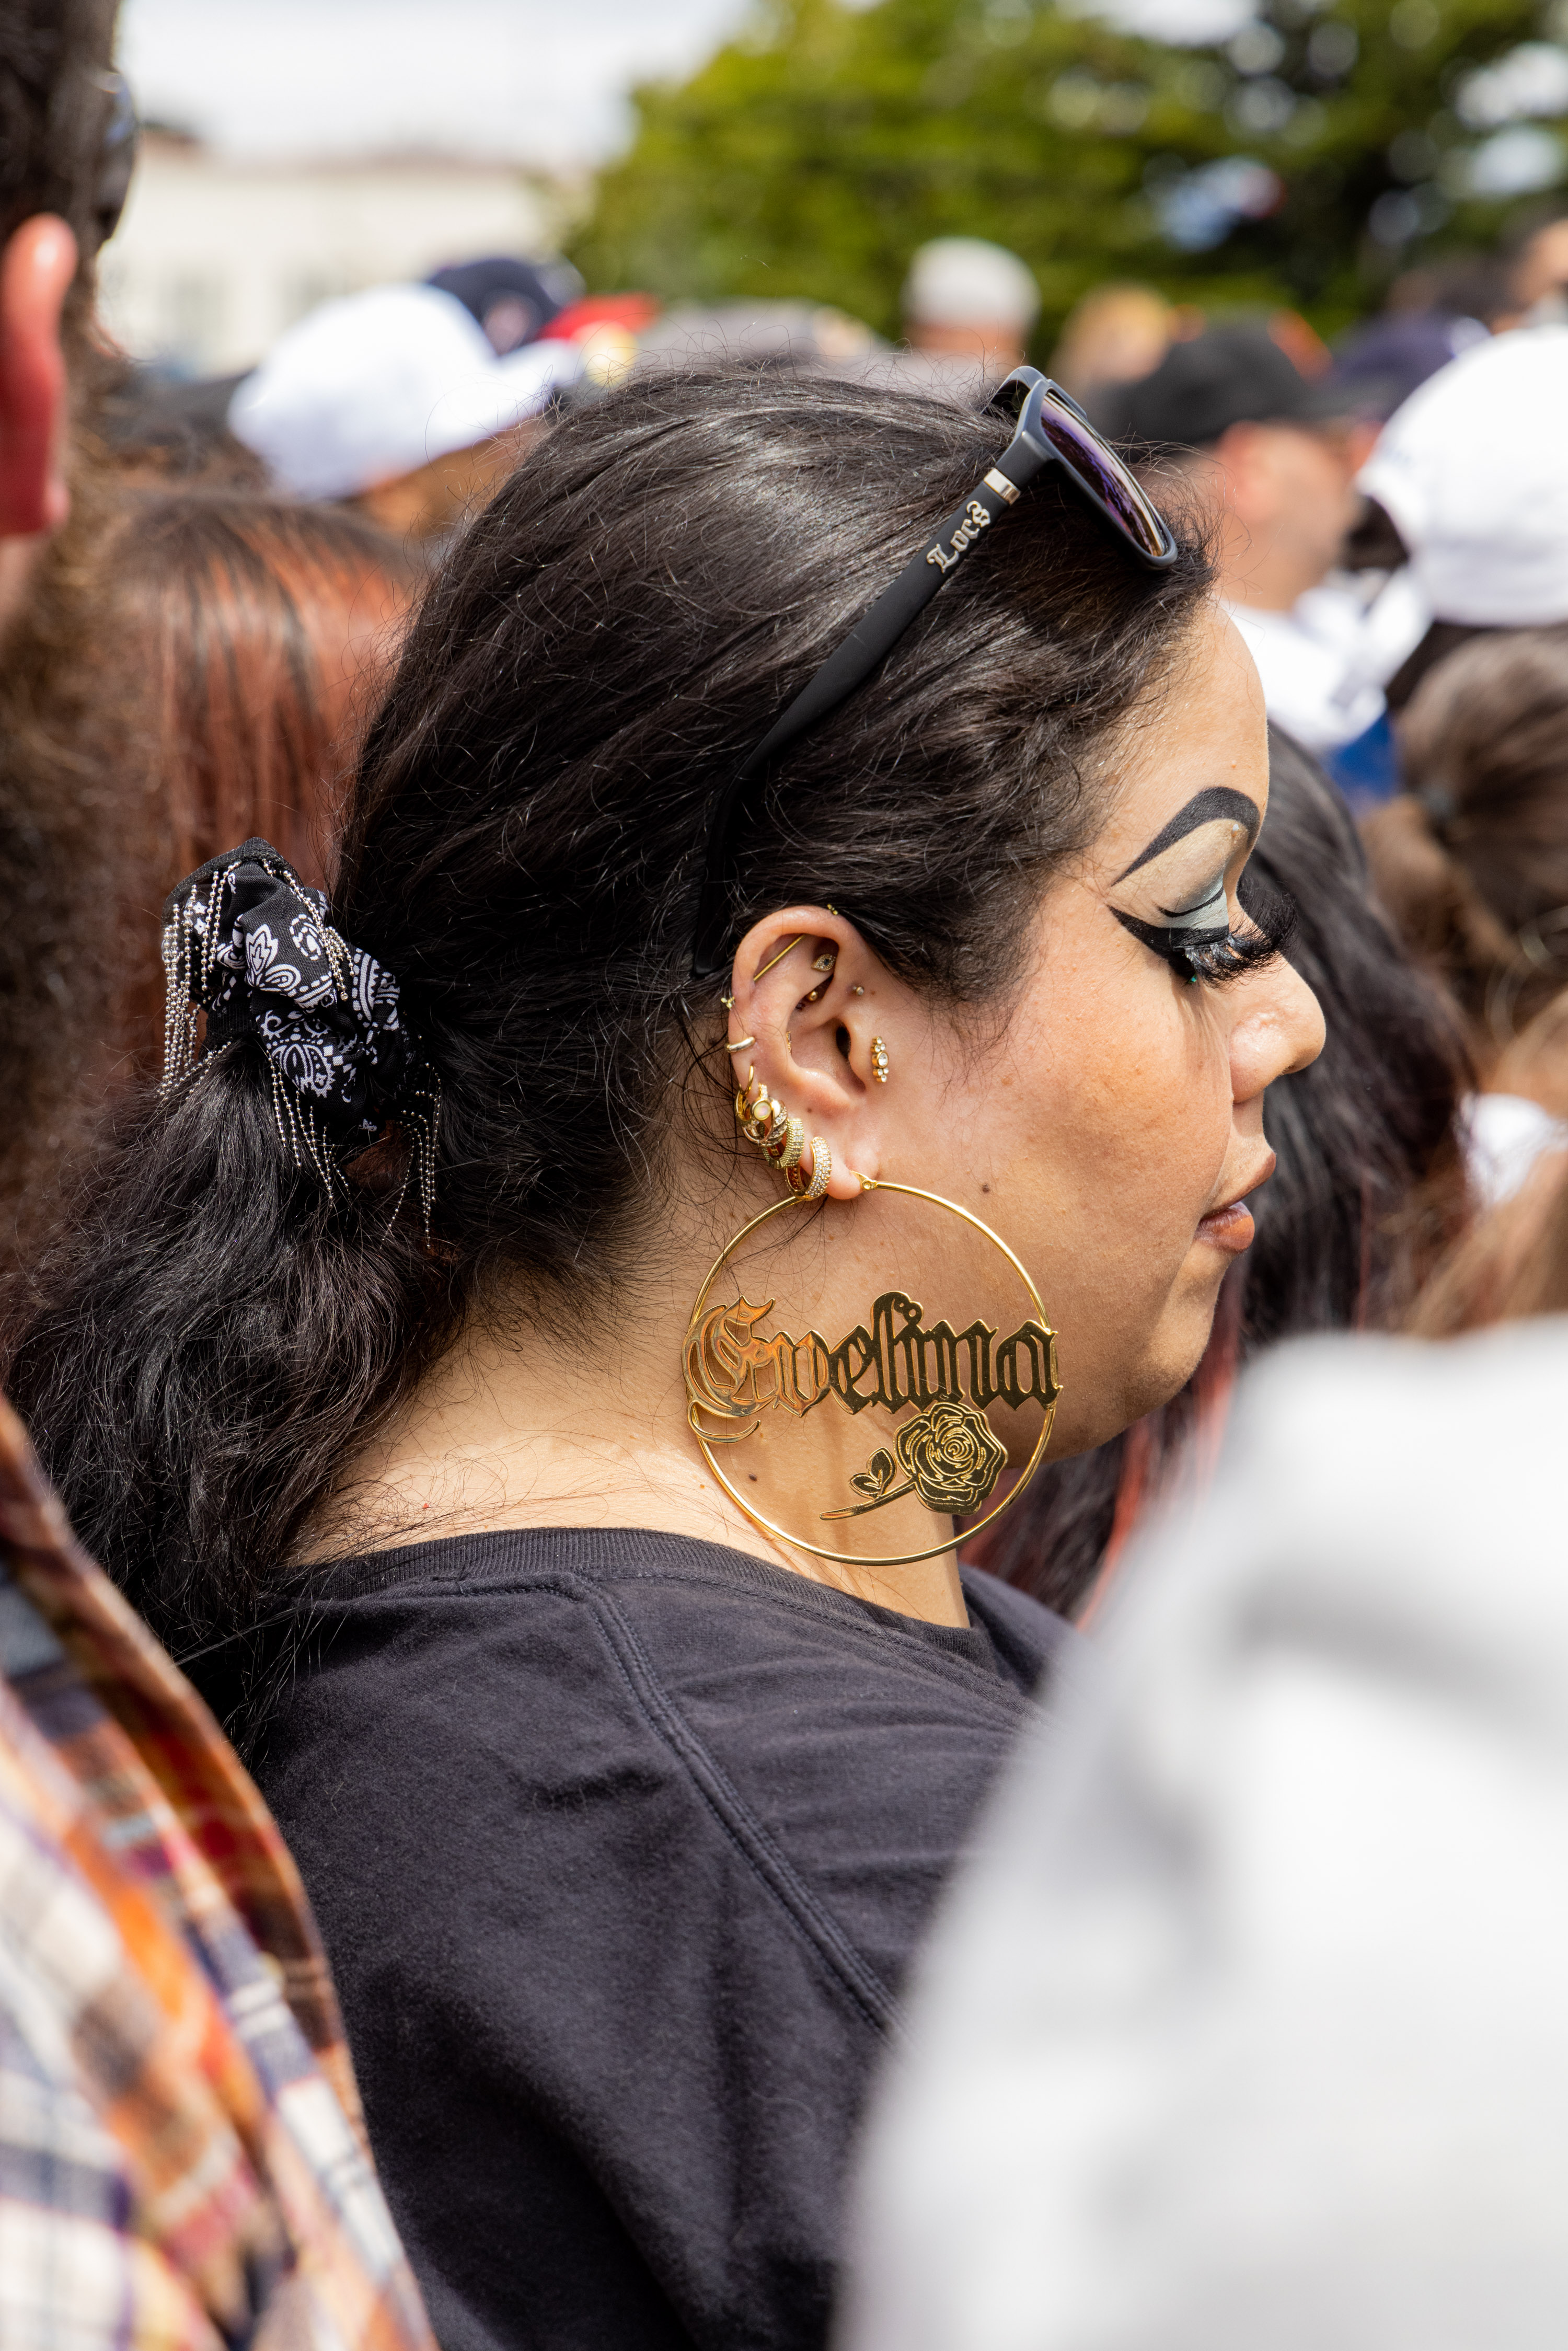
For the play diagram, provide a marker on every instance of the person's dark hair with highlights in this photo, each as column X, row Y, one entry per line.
column 774, row 785
column 1367, row 1195
column 247, row 642
column 261, row 631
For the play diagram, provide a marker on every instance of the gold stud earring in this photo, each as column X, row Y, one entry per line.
column 857, row 991
column 826, row 961
column 879, row 1061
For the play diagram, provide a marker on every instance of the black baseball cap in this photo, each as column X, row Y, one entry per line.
column 532, row 294
column 1226, row 376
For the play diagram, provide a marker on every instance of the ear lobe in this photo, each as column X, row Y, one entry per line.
column 36, row 273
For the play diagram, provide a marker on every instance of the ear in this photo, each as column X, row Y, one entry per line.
column 37, row 268
column 806, row 995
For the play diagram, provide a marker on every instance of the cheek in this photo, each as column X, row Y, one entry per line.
column 1128, row 1084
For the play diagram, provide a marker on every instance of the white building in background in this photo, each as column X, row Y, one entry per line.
column 216, row 254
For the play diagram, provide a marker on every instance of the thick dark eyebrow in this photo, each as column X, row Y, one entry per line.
column 1202, row 809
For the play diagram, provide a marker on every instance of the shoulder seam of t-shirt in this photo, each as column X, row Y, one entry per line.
column 996, row 1685
column 997, row 1696
column 735, row 1815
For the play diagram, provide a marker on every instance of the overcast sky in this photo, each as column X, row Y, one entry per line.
column 543, row 80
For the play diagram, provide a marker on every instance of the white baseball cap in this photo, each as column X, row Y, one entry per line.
column 1473, row 471
column 963, row 281
column 377, row 384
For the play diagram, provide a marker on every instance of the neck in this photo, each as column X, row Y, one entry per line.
column 528, row 1424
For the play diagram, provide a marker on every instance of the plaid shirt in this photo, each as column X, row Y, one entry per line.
column 182, row 2162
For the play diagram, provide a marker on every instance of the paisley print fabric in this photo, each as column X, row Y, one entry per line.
column 263, row 960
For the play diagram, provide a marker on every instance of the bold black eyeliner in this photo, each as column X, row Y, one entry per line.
column 1171, row 943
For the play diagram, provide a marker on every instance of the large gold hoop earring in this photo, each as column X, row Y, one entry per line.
column 949, row 1456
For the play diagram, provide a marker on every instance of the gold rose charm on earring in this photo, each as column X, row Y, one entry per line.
column 879, row 1061
column 950, row 1456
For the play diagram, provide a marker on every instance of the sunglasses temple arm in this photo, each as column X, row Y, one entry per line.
column 871, row 639
column 880, row 627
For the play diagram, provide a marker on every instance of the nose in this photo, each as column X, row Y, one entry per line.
column 1278, row 1029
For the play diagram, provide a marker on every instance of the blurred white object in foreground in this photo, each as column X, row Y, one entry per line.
column 1503, row 1137
column 1473, row 470
column 1246, row 2029
column 377, row 384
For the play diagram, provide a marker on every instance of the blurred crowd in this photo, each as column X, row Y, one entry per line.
column 217, row 580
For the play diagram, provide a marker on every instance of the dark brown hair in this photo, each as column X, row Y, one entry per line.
column 260, row 633
column 248, row 642
column 55, row 109
column 1471, row 861
column 606, row 643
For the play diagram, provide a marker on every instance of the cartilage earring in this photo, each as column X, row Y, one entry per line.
column 761, row 1120
column 821, row 1170
column 825, row 962
column 879, row 1061
column 785, row 1150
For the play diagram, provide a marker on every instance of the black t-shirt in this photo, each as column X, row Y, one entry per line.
column 619, row 1843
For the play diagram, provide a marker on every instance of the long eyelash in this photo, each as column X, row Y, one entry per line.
column 1271, row 924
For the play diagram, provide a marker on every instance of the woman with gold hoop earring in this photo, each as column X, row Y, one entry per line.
column 543, row 1427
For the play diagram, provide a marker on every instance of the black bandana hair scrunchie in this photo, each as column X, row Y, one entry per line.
column 249, row 944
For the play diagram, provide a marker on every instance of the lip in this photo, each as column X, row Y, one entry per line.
column 1228, row 1225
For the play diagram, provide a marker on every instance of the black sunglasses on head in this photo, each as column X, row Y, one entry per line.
column 1051, row 430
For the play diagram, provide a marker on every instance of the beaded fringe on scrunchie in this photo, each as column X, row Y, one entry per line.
column 249, row 943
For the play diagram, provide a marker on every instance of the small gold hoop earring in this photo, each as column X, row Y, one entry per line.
column 879, row 1061
column 792, row 1145
column 740, row 1044
column 822, row 1172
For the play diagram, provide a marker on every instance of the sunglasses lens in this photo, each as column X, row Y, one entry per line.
column 1104, row 474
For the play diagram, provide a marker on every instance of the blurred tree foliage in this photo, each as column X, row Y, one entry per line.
column 1304, row 161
